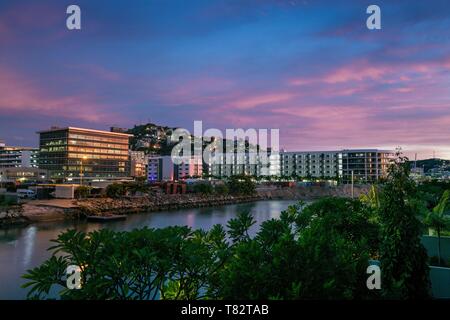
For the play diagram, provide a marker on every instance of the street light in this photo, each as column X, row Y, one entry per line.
column 81, row 170
column 353, row 185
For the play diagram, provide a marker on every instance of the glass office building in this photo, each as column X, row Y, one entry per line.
column 71, row 153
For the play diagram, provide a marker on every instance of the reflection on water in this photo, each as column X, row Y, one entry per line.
column 25, row 248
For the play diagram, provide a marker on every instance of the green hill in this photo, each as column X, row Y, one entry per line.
column 429, row 164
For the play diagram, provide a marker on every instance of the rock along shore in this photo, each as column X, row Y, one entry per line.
column 62, row 209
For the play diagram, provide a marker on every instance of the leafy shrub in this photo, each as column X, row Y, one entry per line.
column 241, row 185
column 82, row 192
column 116, row 190
column 203, row 188
column 221, row 189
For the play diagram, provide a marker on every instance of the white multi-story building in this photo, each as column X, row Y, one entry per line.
column 317, row 164
column 18, row 157
column 192, row 167
column 365, row 165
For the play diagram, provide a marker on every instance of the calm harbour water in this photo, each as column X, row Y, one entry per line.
column 25, row 248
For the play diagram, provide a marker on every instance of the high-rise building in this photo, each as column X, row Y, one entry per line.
column 70, row 154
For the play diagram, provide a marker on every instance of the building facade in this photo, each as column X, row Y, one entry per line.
column 315, row 164
column 19, row 175
column 18, row 157
column 190, row 168
column 160, row 168
column 71, row 154
column 361, row 165
column 366, row 165
column 138, row 164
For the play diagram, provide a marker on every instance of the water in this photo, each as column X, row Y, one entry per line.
column 25, row 248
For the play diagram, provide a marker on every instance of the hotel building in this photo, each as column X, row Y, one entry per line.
column 71, row 153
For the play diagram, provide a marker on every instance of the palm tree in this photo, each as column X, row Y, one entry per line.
column 439, row 218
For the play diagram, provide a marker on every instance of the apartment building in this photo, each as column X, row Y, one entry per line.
column 192, row 167
column 366, row 165
column 315, row 164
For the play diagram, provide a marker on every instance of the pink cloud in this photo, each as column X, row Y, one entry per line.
column 355, row 72
column 258, row 100
column 20, row 94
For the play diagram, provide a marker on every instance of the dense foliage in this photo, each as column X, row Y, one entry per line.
column 203, row 188
column 402, row 255
column 82, row 192
column 116, row 190
column 241, row 185
column 317, row 252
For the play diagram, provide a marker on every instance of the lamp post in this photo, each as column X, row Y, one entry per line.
column 353, row 186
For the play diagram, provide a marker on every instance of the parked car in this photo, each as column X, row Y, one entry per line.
column 26, row 194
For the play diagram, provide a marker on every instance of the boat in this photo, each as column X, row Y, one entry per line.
column 106, row 218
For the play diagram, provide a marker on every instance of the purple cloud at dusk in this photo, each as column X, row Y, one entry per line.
column 310, row 68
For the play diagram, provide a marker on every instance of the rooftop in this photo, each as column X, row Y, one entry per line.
column 86, row 130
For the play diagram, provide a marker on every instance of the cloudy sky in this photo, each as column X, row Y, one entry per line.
column 310, row 68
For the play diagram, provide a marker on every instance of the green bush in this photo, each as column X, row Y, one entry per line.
column 82, row 192
column 241, row 185
column 203, row 188
column 116, row 190
column 221, row 189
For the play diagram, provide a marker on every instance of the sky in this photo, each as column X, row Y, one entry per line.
column 309, row 68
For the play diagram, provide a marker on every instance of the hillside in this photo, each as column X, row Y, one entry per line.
column 429, row 164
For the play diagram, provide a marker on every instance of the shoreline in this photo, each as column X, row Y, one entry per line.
column 73, row 209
